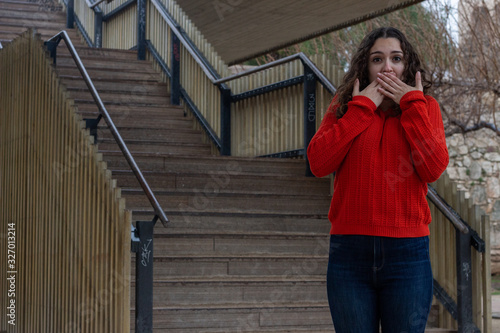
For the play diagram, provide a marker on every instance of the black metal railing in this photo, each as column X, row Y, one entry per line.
column 312, row 75
column 466, row 237
column 142, row 233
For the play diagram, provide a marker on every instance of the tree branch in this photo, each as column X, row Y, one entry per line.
column 463, row 128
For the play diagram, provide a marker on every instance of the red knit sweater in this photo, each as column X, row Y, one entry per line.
column 382, row 165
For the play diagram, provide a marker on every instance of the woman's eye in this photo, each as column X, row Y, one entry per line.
column 376, row 59
column 397, row 59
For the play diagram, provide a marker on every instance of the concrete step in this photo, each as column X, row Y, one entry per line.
column 29, row 6
column 33, row 22
column 231, row 165
column 278, row 222
column 231, row 201
column 245, row 224
column 9, row 36
column 17, row 27
column 247, row 317
column 50, row 32
column 97, row 74
column 153, row 111
column 206, row 267
column 136, row 146
column 166, row 122
column 33, row 15
column 102, row 53
column 145, row 88
column 13, row 32
column 241, row 245
column 211, row 182
column 98, row 61
column 162, row 134
column 230, row 294
column 132, row 98
column 140, row 117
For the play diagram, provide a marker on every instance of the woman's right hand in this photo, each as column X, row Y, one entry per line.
column 371, row 91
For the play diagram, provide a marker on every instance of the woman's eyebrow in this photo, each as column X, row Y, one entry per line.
column 380, row 52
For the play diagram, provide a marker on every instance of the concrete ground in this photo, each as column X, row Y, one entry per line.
column 495, row 309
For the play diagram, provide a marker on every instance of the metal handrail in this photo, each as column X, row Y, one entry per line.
column 454, row 217
column 447, row 211
column 114, row 131
column 92, row 5
column 300, row 56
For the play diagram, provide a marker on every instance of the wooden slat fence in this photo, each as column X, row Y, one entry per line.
column 120, row 32
column 274, row 122
column 86, row 17
column 443, row 256
column 61, row 215
column 257, row 123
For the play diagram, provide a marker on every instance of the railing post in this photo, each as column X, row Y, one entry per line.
column 175, row 88
column 97, row 27
column 144, row 276
column 52, row 48
column 70, row 14
column 309, row 112
column 225, row 118
column 141, row 29
column 464, row 283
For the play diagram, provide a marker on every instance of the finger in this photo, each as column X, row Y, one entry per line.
column 385, row 92
column 387, row 83
column 418, row 81
column 386, row 80
column 355, row 91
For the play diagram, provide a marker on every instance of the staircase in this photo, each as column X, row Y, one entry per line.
column 246, row 247
column 247, row 244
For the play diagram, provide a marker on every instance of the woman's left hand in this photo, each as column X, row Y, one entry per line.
column 394, row 88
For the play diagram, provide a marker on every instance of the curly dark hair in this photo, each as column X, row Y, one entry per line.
column 358, row 68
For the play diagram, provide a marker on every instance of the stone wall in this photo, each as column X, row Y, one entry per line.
column 475, row 166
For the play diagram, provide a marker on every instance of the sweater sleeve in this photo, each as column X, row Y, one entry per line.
column 332, row 141
column 423, row 125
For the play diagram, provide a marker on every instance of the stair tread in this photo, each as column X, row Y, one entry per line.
column 228, row 212
column 221, row 159
column 152, row 142
column 228, row 279
column 240, row 257
column 172, row 232
column 204, row 173
column 223, row 193
column 227, row 307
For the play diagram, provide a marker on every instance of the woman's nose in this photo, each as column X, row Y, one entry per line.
column 387, row 67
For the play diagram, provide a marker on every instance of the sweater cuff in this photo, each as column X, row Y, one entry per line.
column 364, row 101
column 411, row 96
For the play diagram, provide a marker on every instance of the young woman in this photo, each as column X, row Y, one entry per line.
column 384, row 139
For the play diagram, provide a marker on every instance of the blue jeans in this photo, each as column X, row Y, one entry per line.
column 376, row 281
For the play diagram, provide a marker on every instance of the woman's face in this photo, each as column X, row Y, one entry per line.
column 386, row 56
